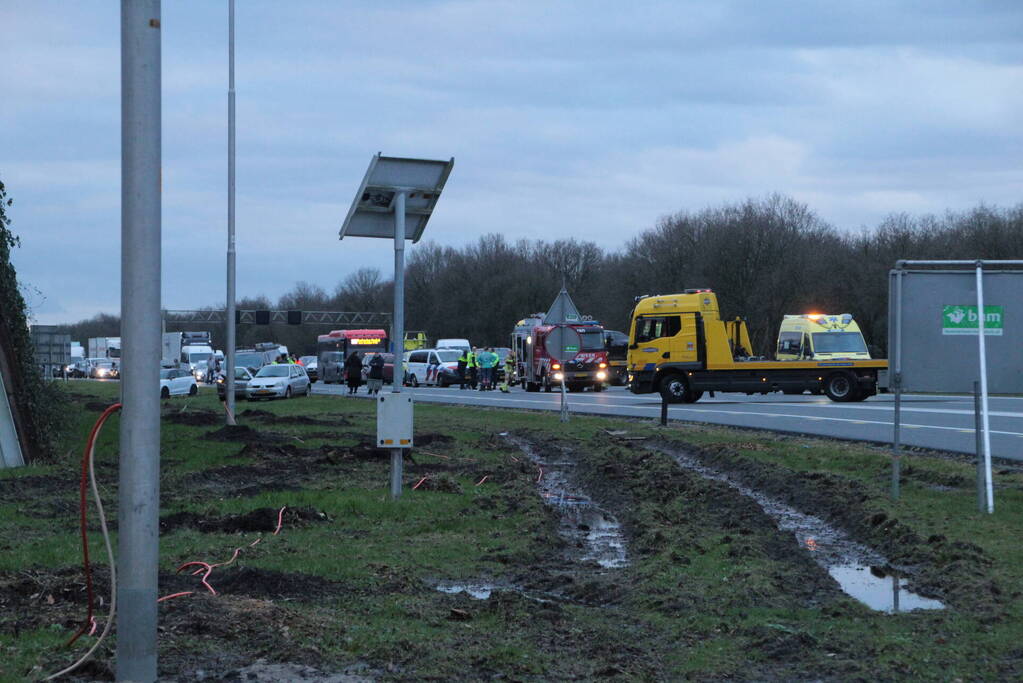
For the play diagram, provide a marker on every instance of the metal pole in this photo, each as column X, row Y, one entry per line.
column 978, row 432
column 229, row 342
column 139, row 488
column 564, row 398
column 664, row 412
column 398, row 327
column 983, row 387
column 897, row 380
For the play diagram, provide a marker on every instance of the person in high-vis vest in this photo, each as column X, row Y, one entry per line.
column 509, row 370
column 463, row 364
column 473, row 365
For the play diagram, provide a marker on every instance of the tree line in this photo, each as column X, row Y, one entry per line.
column 765, row 257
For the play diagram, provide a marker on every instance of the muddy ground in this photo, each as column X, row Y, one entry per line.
column 583, row 557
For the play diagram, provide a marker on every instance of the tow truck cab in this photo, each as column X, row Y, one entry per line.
column 821, row 337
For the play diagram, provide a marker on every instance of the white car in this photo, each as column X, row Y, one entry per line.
column 175, row 382
column 278, row 381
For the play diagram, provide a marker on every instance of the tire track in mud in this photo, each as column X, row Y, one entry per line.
column 860, row 571
column 594, row 548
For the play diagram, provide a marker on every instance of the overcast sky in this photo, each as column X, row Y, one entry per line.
column 584, row 119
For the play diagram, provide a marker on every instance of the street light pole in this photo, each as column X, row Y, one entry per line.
column 230, row 313
column 138, row 514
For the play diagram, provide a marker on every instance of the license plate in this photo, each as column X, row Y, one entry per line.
column 264, row 391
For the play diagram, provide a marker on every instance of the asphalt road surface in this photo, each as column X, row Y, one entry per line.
column 939, row 422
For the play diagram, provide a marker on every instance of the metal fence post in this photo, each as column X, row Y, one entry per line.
column 983, row 387
column 139, row 493
column 978, row 432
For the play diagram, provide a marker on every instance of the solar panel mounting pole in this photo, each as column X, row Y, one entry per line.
column 138, row 514
column 398, row 328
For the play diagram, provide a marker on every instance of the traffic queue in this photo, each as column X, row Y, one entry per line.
column 678, row 346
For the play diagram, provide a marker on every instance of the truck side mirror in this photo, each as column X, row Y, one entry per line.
column 633, row 346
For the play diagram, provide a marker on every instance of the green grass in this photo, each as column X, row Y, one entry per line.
column 701, row 599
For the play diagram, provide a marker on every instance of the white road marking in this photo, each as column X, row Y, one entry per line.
column 677, row 408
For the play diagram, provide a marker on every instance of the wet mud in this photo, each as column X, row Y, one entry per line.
column 860, row 571
column 243, row 433
column 592, row 533
column 954, row 572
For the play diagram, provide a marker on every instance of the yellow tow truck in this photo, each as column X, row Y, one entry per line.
column 680, row 347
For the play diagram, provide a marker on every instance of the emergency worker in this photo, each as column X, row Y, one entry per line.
column 473, row 365
column 487, row 360
column 509, row 369
column 463, row 363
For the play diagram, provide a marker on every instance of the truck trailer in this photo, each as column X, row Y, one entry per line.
column 680, row 347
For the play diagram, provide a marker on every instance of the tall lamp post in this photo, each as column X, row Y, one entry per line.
column 229, row 342
column 395, row 200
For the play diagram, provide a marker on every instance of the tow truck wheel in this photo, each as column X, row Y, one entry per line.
column 840, row 387
column 599, row 386
column 674, row 389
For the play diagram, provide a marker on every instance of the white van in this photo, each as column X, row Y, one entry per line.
column 444, row 360
column 460, row 344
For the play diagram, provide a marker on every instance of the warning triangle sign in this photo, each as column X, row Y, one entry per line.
column 562, row 310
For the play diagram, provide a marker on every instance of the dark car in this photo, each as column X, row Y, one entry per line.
column 241, row 383
column 388, row 366
column 330, row 367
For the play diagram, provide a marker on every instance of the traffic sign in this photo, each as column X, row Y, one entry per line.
column 562, row 343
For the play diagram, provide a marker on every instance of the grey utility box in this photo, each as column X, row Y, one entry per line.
column 394, row 420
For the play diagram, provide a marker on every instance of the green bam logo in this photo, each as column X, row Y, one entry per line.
column 964, row 320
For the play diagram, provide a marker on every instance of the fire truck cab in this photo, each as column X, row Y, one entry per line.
column 536, row 369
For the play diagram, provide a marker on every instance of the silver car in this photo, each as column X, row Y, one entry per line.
column 278, row 381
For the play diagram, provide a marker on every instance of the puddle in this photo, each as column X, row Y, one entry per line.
column 482, row 590
column 594, row 535
column 478, row 591
column 861, row 572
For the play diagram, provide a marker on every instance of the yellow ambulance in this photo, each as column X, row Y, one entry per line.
column 822, row 337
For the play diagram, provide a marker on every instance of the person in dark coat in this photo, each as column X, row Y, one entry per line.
column 376, row 374
column 353, row 372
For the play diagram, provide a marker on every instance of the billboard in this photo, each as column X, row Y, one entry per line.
column 935, row 311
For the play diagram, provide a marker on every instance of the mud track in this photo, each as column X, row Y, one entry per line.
column 951, row 571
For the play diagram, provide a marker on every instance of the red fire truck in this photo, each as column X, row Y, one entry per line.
column 536, row 369
column 333, row 348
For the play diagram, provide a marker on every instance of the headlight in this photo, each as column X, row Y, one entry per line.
column 558, row 376
column 601, row 375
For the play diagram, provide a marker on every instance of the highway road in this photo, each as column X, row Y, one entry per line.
column 938, row 422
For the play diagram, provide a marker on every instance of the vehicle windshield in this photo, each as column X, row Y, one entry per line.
column 274, row 371
column 449, row 356
column 306, row 360
column 248, row 360
column 838, row 342
column 165, row 374
column 592, row 340
column 196, row 357
column 241, row 373
column 502, row 352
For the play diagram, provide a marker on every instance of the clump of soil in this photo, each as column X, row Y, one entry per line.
column 443, row 483
column 432, row 438
column 272, row 418
column 260, row 519
column 241, row 433
column 194, row 418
